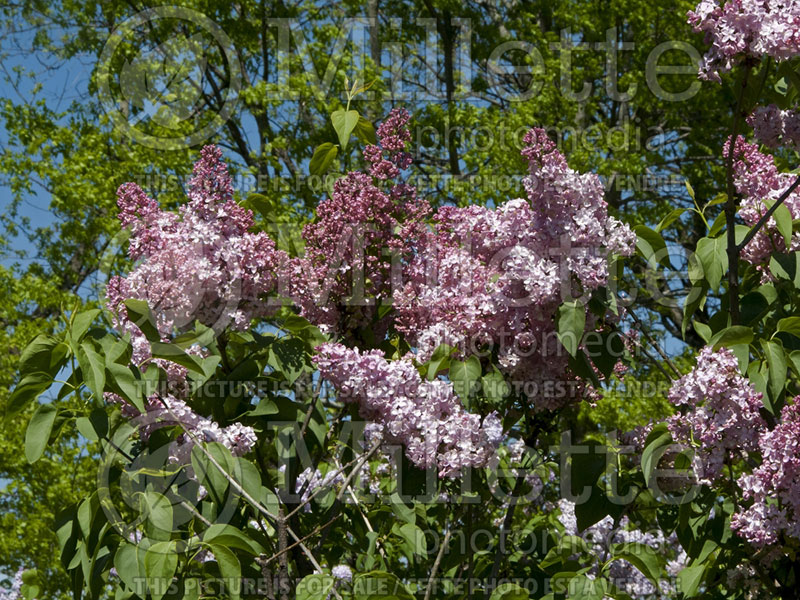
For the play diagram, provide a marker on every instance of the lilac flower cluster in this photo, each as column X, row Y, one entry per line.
column 758, row 181
column 722, row 420
column 390, row 157
column 774, row 486
column 622, row 573
column 168, row 410
column 310, row 480
column 746, row 28
column 425, row 416
column 342, row 573
column 360, row 236
column 200, row 263
column 16, row 585
column 498, row 276
column 774, row 127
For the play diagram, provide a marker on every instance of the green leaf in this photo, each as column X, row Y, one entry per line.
column 366, row 131
column 260, row 204
column 202, row 336
column 439, row 361
column 314, row 587
column 402, row 510
column 571, row 322
column 703, row 330
column 129, row 563
column 651, row 246
column 174, row 353
column 464, row 374
column 378, row 585
column 230, row 568
column 157, row 509
column 494, row 386
column 712, row 255
column 695, row 299
column 776, row 378
column 783, row 219
column 689, row 579
column 322, row 158
column 641, row 556
column 786, row 266
column 790, row 325
column 29, row 388
column 123, row 382
column 673, row 216
column 207, row 472
column 160, row 563
column 222, row 534
column 656, row 439
column 139, row 314
column 690, row 189
column 38, row 431
column 81, row 323
column 510, row 591
column 344, row 123
column 719, row 223
column 752, row 306
column 93, row 369
column 413, row 538
column 31, row 585
column 44, row 354
column 93, row 427
column 289, row 356
column 731, row 336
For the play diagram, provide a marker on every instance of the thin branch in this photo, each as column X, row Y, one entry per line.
column 436, row 563
column 239, row 489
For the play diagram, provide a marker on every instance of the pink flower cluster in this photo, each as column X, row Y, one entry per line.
column 774, row 127
column 199, row 264
column 722, row 420
column 425, row 416
column 497, row 276
column 758, row 181
column 361, row 236
column 746, row 28
column 390, row 157
column 167, row 410
column 774, row 486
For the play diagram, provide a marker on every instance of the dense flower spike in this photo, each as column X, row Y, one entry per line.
column 759, row 183
column 200, row 264
column 774, row 486
column 360, row 238
column 425, row 416
column 722, row 419
column 497, row 277
column 390, row 157
column 746, row 28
